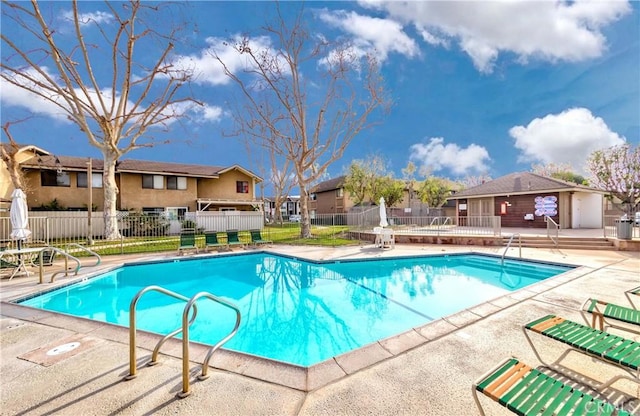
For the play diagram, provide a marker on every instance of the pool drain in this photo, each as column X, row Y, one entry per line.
column 61, row 349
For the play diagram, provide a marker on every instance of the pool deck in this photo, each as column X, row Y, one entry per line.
column 427, row 371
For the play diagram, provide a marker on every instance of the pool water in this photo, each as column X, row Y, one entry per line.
column 297, row 311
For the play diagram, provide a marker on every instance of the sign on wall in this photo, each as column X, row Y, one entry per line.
column 546, row 205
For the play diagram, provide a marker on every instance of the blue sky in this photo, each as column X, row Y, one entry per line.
column 479, row 88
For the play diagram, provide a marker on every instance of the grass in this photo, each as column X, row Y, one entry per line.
column 330, row 236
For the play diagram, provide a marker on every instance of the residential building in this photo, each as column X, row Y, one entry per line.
column 23, row 154
column 330, row 197
column 525, row 199
column 146, row 186
column 290, row 206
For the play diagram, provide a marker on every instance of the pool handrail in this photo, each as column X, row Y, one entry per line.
column 132, row 328
column 93, row 253
column 509, row 245
column 185, row 339
column 186, row 323
column 67, row 256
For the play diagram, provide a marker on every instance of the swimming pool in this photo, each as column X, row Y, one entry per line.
column 297, row 311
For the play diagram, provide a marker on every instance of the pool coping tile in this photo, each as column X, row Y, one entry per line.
column 363, row 357
column 400, row 343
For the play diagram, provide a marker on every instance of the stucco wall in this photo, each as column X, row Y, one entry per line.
column 224, row 187
column 69, row 196
column 134, row 197
column 586, row 210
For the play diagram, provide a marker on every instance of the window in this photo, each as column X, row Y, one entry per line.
column 176, row 213
column 242, row 187
column 339, row 192
column 176, row 182
column 155, row 211
column 53, row 178
column 313, row 196
column 152, row 182
column 96, row 180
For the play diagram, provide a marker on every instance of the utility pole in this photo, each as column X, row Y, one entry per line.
column 90, row 204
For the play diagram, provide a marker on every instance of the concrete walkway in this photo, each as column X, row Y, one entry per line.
column 428, row 372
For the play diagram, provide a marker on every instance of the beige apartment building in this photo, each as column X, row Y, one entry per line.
column 144, row 186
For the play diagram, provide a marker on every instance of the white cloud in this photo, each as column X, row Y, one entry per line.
column 372, row 34
column 13, row 95
column 206, row 68
column 210, row 112
column 565, row 138
column 436, row 155
column 549, row 30
column 86, row 18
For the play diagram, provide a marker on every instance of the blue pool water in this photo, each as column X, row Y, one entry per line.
column 297, row 311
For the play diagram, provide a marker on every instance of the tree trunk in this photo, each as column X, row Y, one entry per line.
column 111, row 231
column 305, row 219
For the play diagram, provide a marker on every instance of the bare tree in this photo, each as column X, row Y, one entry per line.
column 8, row 155
column 141, row 94
column 470, row 181
column 311, row 117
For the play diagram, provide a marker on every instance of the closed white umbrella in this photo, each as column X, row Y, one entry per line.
column 383, row 214
column 19, row 217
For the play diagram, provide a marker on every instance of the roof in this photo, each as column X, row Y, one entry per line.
column 521, row 183
column 329, row 185
column 133, row 166
column 23, row 148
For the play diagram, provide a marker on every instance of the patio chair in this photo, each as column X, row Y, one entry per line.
column 610, row 348
column 48, row 256
column 377, row 232
column 610, row 313
column 633, row 293
column 256, row 238
column 527, row 391
column 387, row 239
column 8, row 266
column 187, row 241
column 233, row 239
column 211, row 240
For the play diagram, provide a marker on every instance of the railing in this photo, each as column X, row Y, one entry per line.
column 86, row 250
column 153, row 233
column 66, row 256
column 509, row 245
column 185, row 339
column 190, row 307
column 438, row 221
column 552, row 230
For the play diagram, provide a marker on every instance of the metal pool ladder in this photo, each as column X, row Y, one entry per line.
column 509, row 245
column 190, row 308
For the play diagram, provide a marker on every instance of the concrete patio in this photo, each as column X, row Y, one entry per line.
column 428, row 371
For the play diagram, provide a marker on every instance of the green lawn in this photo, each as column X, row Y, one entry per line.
column 330, row 236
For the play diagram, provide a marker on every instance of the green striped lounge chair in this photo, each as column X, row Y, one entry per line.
column 233, row 238
column 256, row 238
column 527, row 391
column 608, row 347
column 610, row 313
column 633, row 294
column 211, row 240
column 187, row 240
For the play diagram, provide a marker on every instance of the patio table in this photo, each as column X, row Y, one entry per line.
column 24, row 255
